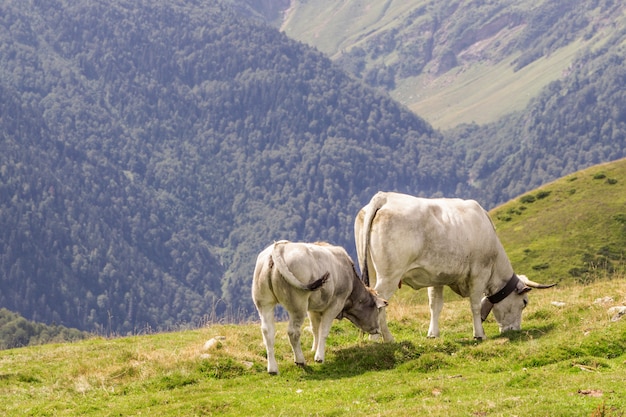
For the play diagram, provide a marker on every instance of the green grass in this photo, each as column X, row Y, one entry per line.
column 567, row 361
column 571, row 230
column 332, row 26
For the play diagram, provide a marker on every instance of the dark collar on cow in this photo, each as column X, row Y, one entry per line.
column 505, row 291
column 487, row 302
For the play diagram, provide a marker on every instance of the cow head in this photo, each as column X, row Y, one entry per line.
column 363, row 310
column 508, row 312
column 509, row 302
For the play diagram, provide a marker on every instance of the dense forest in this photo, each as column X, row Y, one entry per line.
column 16, row 331
column 150, row 149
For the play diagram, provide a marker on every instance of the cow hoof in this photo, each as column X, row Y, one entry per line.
column 319, row 360
column 273, row 373
column 300, row 364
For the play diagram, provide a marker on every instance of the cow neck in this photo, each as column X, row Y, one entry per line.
column 505, row 291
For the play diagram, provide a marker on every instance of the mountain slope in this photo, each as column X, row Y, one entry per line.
column 541, row 82
column 151, row 150
column 456, row 62
column 574, row 123
column 573, row 229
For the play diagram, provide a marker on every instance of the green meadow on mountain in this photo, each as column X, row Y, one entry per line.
column 572, row 230
column 568, row 360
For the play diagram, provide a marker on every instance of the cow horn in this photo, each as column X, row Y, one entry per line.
column 533, row 284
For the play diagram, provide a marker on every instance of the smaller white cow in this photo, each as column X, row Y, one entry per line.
column 314, row 278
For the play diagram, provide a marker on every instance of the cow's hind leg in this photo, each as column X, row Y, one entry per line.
column 435, row 302
column 296, row 320
column 325, row 323
column 266, row 313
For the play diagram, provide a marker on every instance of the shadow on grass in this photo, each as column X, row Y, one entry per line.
column 357, row 360
column 525, row 335
column 368, row 357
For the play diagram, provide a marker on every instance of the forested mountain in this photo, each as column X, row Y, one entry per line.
column 151, row 149
column 549, row 76
column 574, row 123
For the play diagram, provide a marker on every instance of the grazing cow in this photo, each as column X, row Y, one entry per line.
column 435, row 242
column 317, row 278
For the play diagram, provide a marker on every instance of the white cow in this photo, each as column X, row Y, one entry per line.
column 317, row 278
column 435, row 242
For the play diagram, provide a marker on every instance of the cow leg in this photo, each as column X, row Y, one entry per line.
column 266, row 313
column 475, row 299
column 435, row 302
column 296, row 320
column 326, row 321
column 385, row 289
column 315, row 325
column 384, row 330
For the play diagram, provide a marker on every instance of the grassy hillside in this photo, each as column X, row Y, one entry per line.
column 482, row 92
column 568, row 361
column 456, row 62
column 336, row 26
column 571, row 230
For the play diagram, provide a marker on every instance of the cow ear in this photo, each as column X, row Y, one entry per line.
column 380, row 302
column 521, row 287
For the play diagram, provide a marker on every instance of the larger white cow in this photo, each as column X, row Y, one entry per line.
column 420, row 242
column 314, row 278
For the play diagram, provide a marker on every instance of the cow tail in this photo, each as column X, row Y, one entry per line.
column 318, row 282
column 371, row 209
column 281, row 265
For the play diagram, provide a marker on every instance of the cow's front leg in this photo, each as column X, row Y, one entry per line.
column 384, row 330
column 293, row 331
column 266, row 313
column 479, row 331
column 385, row 288
column 435, row 303
column 325, row 323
